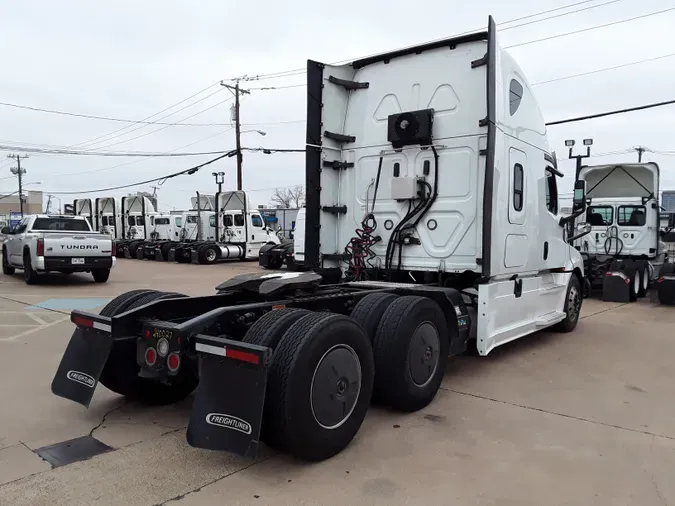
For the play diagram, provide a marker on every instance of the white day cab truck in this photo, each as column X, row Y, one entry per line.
column 239, row 232
column 50, row 243
column 623, row 253
column 432, row 229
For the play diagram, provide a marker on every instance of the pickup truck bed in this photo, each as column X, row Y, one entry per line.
column 43, row 244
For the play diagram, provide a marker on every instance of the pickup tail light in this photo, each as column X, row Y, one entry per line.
column 40, row 247
column 114, row 248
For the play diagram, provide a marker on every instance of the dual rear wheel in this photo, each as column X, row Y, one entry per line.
column 328, row 367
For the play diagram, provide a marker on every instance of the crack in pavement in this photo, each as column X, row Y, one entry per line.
column 108, row 413
column 564, row 415
column 179, row 497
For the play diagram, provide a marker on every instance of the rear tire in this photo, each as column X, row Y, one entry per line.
column 165, row 251
column 320, row 385
column 635, row 283
column 120, row 373
column 29, row 275
column 208, row 254
column 369, row 310
column 101, row 275
column 133, row 248
column 411, row 350
column 268, row 331
column 572, row 307
column 644, row 281
column 7, row 269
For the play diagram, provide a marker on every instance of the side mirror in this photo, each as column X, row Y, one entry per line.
column 5, row 231
column 579, row 199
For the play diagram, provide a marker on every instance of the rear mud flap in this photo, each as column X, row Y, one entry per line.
column 194, row 256
column 227, row 410
column 81, row 366
column 172, row 255
column 158, row 255
column 140, row 253
column 616, row 287
column 665, row 290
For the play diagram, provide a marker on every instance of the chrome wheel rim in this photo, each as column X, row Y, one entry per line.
column 573, row 304
column 211, row 255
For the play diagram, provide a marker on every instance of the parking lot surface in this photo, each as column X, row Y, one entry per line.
column 583, row 418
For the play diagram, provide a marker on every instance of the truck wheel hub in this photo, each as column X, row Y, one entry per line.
column 335, row 387
column 424, row 353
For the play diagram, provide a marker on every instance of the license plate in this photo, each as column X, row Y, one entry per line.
column 77, row 261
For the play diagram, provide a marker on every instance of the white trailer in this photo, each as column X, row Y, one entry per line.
column 623, row 253
column 431, row 228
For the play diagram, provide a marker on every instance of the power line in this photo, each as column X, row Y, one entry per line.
column 162, row 179
column 164, row 127
column 582, row 30
column 610, row 113
column 92, row 141
column 23, row 149
column 298, row 71
column 560, row 15
column 136, row 161
column 106, row 118
column 603, row 69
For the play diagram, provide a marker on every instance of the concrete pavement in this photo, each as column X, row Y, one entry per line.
column 551, row 419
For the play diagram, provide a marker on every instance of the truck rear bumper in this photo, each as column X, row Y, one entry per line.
column 66, row 264
column 227, row 410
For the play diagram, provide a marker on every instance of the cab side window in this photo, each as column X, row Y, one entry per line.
column 518, row 185
column 551, row 193
column 227, row 220
column 257, row 221
column 238, row 220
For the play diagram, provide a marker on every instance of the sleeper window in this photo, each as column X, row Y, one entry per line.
column 551, row 193
column 515, row 96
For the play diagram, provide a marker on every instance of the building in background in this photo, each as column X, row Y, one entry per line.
column 32, row 203
column 668, row 201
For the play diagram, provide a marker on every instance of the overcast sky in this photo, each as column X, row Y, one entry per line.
column 130, row 60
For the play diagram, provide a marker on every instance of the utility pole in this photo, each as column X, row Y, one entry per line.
column 570, row 144
column 19, row 172
column 236, row 90
column 640, row 150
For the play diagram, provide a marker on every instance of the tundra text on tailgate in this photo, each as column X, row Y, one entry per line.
column 66, row 244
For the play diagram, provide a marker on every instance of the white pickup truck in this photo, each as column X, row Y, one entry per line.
column 47, row 243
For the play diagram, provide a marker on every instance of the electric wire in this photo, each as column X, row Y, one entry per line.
column 590, row 28
column 299, row 71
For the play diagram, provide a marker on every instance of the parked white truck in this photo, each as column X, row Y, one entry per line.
column 235, row 232
column 432, row 228
column 623, row 253
column 54, row 243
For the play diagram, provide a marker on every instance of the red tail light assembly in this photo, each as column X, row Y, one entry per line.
column 40, row 247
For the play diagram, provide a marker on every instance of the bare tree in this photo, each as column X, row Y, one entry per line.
column 285, row 198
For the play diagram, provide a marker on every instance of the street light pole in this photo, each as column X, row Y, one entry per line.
column 570, row 144
column 220, row 179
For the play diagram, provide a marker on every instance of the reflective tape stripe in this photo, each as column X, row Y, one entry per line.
column 213, row 350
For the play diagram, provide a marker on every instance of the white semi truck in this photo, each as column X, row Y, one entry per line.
column 623, row 253
column 432, row 228
column 235, row 231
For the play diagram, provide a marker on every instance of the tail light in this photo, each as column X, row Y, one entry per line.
column 173, row 362
column 114, row 249
column 150, row 356
column 40, row 247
